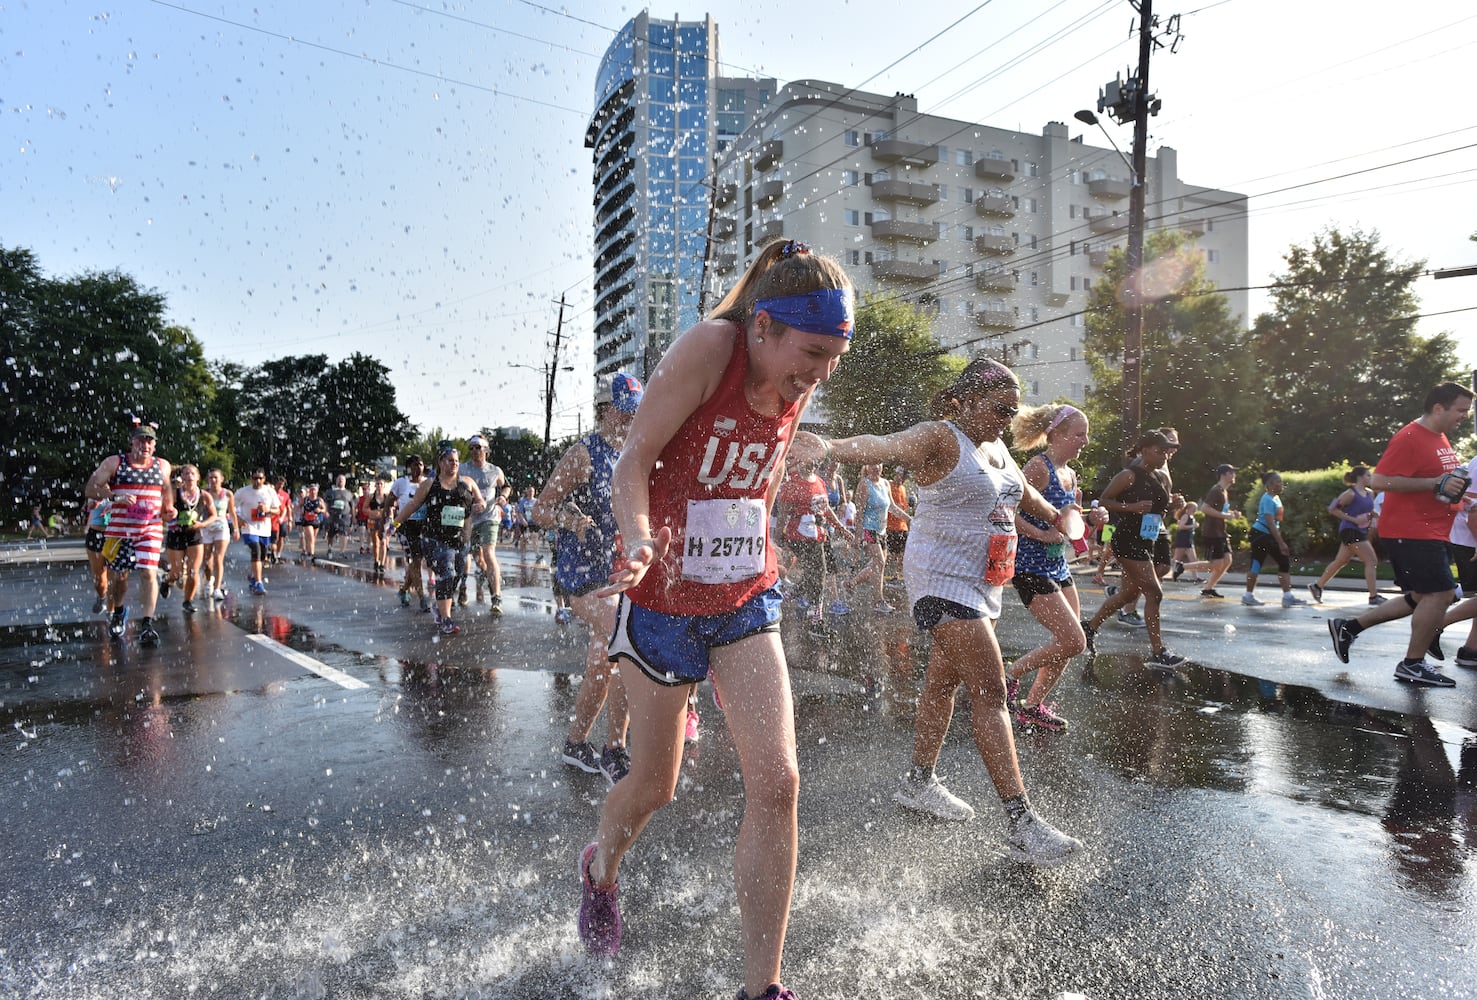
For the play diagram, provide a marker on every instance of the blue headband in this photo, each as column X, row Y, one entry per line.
column 825, row 310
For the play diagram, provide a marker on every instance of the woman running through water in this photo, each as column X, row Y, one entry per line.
column 692, row 494
column 1353, row 508
column 450, row 499
column 1042, row 579
column 218, row 535
column 873, row 508
column 961, row 553
column 576, row 502
column 184, row 537
column 1138, row 501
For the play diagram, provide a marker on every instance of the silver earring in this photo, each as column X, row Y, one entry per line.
column 758, row 340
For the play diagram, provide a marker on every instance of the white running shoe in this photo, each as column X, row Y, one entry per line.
column 1291, row 600
column 1249, row 599
column 933, row 798
column 1033, row 841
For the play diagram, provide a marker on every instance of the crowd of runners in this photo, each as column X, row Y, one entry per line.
column 696, row 511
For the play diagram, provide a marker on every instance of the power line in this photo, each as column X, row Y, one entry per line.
column 493, row 27
column 438, row 77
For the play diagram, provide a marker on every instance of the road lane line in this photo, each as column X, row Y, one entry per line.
column 304, row 660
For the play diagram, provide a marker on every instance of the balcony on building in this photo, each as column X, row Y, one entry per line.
column 995, row 317
column 768, row 154
column 996, row 245
column 766, row 193
column 995, row 281
column 902, row 151
column 724, row 263
column 1105, row 225
column 1195, row 227
column 906, row 192
column 1109, row 188
column 911, row 232
column 994, row 168
column 994, row 204
column 770, row 230
column 725, row 227
column 1097, row 258
column 904, row 270
column 724, row 194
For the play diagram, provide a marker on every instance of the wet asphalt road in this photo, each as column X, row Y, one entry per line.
column 212, row 818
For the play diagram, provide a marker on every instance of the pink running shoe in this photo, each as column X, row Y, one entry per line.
column 600, row 913
column 1041, row 716
column 692, row 735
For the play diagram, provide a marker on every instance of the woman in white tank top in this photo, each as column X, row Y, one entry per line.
column 960, row 555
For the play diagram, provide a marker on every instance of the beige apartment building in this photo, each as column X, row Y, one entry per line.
column 1001, row 233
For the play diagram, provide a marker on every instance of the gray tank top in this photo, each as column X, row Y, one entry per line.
column 950, row 536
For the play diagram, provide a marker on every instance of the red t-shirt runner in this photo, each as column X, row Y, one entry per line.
column 1417, row 453
column 709, row 486
column 804, row 496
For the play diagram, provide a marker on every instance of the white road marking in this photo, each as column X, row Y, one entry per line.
column 304, row 660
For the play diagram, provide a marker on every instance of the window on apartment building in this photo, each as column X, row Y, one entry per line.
column 1032, row 279
column 881, row 215
column 1035, row 387
column 943, row 230
column 1210, row 225
column 1071, row 211
column 966, row 234
column 852, row 137
column 943, row 154
column 1212, row 256
column 854, row 257
column 943, row 192
column 1073, row 357
column 866, row 256
column 1072, row 283
column 1033, row 169
column 1076, row 390
column 964, row 157
column 851, row 217
column 1035, row 316
column 1032, row 205
column 943, row 267
column 966, row 195
column 867, row 179
column 850, row 178
column 1035, row 348
column 1074, row 177
column 1077, row 320
column 1033, row 242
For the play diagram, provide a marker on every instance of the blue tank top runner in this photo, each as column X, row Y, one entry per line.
column 1038, row 558
column 582, row 565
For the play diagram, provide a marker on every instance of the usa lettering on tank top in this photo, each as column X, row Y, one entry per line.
column 710, row 486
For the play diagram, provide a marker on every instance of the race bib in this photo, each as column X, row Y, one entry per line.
column 453, row 517
column 723, row 541
column 1000, row 560
column 309, row 517
column 339, row 505
column 1150, row 525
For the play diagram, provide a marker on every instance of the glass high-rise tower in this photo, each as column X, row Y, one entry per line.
column 654, row 132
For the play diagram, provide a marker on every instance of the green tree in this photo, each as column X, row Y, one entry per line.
column 1196, row 374
column 82, row 354
column 893, row 369
column 1340, row 357
column 310, row 419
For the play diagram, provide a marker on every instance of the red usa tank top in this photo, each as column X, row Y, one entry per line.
column 709, row 487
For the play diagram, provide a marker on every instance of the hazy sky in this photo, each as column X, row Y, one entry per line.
column 409, row 179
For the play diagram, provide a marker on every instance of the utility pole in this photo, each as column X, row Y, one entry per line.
column 549, row 374
column 1130, row 100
